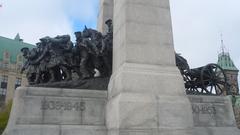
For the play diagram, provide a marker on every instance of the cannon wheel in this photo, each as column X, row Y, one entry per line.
column 213, row 80
column 190, row 88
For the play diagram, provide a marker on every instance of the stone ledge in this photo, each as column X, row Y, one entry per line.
column 57, row 130
column 61, row 92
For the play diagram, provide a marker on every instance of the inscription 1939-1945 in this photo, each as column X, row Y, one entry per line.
column 203, row 109
column 63, row 105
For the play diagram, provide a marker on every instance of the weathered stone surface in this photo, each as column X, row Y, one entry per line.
column 237, row 115
column 236, row 108
column 138, row 111
column 216, row 131
column 146, row 79
column 54, row 111
column 213, row 115
column 142, row 33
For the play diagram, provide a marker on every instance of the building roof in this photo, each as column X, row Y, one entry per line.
column 17, row 37
column 13, row 47
column 225, row 62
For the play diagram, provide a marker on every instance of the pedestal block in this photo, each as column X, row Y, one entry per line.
column 48, row 111
column 148, row 100
column 213, row 115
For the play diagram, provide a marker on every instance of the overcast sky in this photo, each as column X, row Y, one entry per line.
column 197, row 24
column 34, row 19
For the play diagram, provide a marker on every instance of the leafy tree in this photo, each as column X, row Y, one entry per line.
column 4, row 115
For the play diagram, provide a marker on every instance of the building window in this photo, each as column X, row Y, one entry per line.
column 19, row 62
column 18, row 67
column 3, row 87
column 18, row 82
column 6, row 57
column 5, row 65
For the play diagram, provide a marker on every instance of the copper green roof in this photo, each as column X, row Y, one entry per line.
column 13, row 47
column 226, row 62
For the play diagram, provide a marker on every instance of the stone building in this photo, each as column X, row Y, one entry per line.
column 231, row 71
column 225, row 61
column 11, row 62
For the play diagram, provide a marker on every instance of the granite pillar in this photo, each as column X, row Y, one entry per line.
column 146, row 93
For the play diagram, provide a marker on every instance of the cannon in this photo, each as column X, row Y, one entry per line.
column 205, row 80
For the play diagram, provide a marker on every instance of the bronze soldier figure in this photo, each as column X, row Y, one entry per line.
column 31, row 69
column 107, row 47
column 54, row 59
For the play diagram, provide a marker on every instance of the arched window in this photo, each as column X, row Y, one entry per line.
column 3, row 87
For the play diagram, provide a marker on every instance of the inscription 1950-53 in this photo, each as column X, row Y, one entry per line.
column 203, row 109
column 63, row 105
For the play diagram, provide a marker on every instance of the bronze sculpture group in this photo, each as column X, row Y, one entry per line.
column 55, row 59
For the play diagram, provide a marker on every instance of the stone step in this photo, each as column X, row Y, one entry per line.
column 57, row 130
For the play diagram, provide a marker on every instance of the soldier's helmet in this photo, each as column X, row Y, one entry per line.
column 66, row 37
column 38, row 44
column 45, row 39
column 62, row 38
column 108, row 22
column 78, row 35
column 24, row 49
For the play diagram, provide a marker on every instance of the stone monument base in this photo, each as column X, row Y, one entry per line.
column 213, row 115
column 55, row 111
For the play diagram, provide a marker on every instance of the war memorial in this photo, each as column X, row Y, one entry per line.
column 123, row 79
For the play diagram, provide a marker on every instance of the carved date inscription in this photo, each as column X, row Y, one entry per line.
column 63, row 105
column 203, row 109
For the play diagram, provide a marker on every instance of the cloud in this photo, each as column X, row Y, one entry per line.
column 81, row 10
column 197, row 26
column 34, row 19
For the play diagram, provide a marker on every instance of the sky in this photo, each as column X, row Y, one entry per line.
column 34, row 19
column 197, row 24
